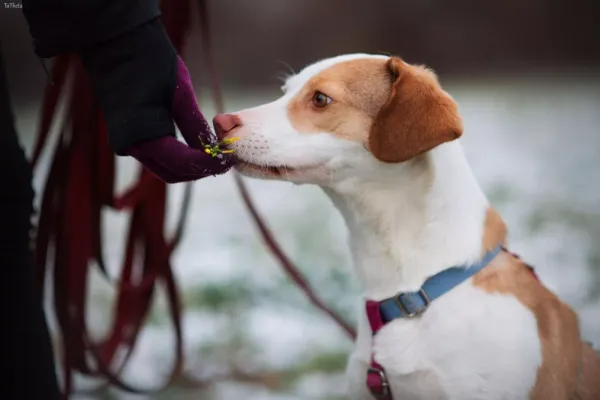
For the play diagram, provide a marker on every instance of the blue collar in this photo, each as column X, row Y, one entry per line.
column 411, row 304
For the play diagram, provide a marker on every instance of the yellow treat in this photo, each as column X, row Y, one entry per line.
column 230, row 140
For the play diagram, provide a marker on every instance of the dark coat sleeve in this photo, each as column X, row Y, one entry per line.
column 62, row 26
column 134, row 76
column 126, row 53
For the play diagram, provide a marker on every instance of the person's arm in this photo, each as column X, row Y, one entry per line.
column 68, row 26
column 140, row 82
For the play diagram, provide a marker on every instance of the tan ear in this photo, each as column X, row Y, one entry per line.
column 417, row 117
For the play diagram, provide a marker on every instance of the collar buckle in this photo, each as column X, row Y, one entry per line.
column 405, row 309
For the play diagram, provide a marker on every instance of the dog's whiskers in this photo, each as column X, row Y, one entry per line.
column 286, row 172
column 291, row 71
column 331, row 175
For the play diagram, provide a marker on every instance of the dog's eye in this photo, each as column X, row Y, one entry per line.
column 321, row 100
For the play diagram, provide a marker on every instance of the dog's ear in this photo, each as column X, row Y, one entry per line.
column 417, row 116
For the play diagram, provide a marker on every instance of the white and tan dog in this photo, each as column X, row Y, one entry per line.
column 380, row 137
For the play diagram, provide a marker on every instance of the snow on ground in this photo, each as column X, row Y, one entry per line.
column 535, row 149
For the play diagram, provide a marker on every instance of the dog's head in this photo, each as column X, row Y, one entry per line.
column 348, row 116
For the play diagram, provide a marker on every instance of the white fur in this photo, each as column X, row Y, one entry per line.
column 407, row 221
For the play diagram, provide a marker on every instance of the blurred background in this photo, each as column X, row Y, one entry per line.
column 526, row 75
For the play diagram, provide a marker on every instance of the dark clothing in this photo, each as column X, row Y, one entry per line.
column 134, row 78
column 68, row 26
column 102, row 30
column 136, row 75
column 27, row 368
column 126, row 53
column 141, row 84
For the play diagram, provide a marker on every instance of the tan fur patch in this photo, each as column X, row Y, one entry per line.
column 359, row 88
column 558, row 327
column 588, row 387
column 396, row 109
column 494, row 231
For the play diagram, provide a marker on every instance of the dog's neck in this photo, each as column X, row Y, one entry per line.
column 420, row 218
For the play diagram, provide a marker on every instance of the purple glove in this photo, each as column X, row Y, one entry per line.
column 173, row 161
column 143, row 86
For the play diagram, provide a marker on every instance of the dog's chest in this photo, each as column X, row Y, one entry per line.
column 468, row 345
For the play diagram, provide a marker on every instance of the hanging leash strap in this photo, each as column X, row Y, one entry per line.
column 78, row 188
column 411, row 305
column 292, row 271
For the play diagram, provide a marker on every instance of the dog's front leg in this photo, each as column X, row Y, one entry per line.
column 358, row 363
column 356, row 376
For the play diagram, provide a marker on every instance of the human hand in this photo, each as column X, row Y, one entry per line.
column 170, row 159
column 143, row 86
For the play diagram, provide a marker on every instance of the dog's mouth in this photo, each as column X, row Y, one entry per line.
column 316, row 174
column 280, row 171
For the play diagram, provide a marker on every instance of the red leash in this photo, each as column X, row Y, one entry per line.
column 288, row 266
column 79, row 186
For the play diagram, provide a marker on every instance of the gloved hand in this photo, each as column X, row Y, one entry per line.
column 143, row 86
column 170, row 159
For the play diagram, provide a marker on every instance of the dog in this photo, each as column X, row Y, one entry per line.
column 381, row 138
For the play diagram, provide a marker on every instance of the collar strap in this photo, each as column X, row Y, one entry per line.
column 412, row 304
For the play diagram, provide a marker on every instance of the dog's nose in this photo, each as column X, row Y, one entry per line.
column 225, row 123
